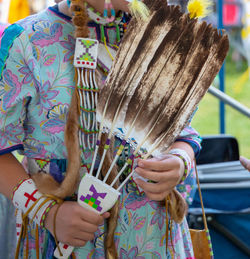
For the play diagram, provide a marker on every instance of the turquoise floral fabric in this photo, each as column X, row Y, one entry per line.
column 35, row 92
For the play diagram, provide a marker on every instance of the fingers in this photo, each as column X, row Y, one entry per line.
column 87, row 227
column 84, row 236
column 90, row 216
column 77, row 243
column 77, row 225
column 163, row 163
column 170, row 169
column 154, row 187
column 165, row 172
column 106, row 215
column 245, row 162
column 155, row 191
column 161, row 176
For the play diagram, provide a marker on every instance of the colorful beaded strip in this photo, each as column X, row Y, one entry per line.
column 186, row 160
column 46, row 213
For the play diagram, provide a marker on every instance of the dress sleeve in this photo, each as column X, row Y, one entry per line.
column 16, row 87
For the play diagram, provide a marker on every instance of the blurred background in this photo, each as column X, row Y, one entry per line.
column 13, row 10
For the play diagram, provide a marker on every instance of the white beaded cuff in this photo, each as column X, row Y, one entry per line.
column 27, row 198
column 185, row 158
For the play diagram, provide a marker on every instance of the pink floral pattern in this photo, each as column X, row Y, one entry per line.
column 46, row 97
column 13, row 89
column 69, row 45
column 46, row 33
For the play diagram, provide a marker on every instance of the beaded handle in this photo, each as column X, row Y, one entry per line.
column 93, row 195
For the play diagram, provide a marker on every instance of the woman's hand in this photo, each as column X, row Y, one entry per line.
column 75, row 225
column 245, row 162
column 165, row 172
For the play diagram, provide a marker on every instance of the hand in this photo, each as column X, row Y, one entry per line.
column 166, row 172
column 245, row 162
column 75, row 225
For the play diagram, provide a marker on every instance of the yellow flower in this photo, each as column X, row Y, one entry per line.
column 199, row 8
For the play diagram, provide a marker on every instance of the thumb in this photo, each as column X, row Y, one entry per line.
column 106, row 215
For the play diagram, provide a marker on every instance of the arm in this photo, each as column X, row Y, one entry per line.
column 76, row 231
column 11, row 173
column 75, row 225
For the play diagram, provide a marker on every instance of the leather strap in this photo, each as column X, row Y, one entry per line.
column 201, row 200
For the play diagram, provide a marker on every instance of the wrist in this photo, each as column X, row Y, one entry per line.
column 32, row 203
column 182, row 168
column 49, row 219
column 183, row 155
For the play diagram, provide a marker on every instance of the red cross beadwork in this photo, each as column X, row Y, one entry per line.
column 30, row 197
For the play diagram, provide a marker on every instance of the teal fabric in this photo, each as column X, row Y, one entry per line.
column 9, row 35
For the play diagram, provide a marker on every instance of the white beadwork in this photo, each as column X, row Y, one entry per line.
column 93, row 195
column 86, row 52
column 25, row 196
column 184, row 155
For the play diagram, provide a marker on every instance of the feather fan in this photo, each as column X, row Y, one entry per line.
column 162, row 70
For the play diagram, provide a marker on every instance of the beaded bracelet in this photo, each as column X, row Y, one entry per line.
column 42, row 222
column 182, row 154
column 29, row 200
column 17, row 186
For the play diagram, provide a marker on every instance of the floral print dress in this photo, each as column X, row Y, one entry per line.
column 36, row 85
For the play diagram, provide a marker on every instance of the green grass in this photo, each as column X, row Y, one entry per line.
column 206, row 120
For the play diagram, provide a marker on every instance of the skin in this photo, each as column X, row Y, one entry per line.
column 76, row 225
column 97, row 4
column 245, row 162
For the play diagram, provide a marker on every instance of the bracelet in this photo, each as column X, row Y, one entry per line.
column 46, row 213
column 54, row 229
column 30, row 201
column 30, row 204
column 182, row 154
column 17, row 186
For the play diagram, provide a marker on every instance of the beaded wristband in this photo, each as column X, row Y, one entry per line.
column 17, row 186
column 46, row 213
column 182, row 154
column 28, row 199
